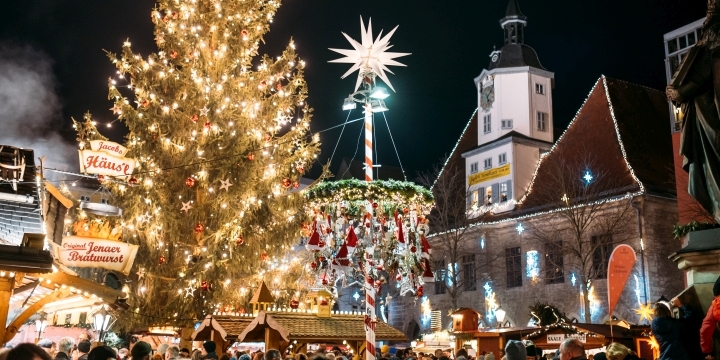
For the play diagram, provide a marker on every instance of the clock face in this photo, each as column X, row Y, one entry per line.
column 487, row 97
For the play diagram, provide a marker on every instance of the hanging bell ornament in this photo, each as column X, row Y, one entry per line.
column 199, row 228
column 190, row 181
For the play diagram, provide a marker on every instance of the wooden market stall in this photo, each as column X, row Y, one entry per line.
column 291, row 330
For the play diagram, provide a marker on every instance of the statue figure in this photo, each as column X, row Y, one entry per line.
column 695, row 89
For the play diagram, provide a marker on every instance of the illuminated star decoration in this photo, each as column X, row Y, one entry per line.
column 140, row 274
column 204, row 111
column 186, row 206
column 189, row 291
column 225, row 184
column 145, row 218
column 573, row 279
column 356, row 295
column 116, row 109
column 654, row 343
column 369, row 56
column 645, row 311
column 588, row 177
column 519, row 228
column 564, row 198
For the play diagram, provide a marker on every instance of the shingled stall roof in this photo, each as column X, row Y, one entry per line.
column 307, row 327
column 621, row 133
column 19, row 205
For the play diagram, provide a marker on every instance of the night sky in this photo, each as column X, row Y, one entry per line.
column 450, row 45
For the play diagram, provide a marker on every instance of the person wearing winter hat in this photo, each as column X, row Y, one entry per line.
column 162, row 348
column 102, row 353
column 47, row 345
column 208, row 350
column 141, row 351
column 515, row 350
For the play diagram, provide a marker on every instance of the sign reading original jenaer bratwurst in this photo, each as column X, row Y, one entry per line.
column 94, row 252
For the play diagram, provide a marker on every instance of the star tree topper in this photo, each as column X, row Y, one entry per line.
column 369, row 56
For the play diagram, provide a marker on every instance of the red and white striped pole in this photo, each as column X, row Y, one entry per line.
column 368, row 141
column 370, row 316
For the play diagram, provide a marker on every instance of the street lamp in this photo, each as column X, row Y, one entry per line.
column 500, row 316
column 40, row 325
column 102, row 320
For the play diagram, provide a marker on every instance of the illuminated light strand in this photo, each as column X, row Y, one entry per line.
column 455, row 147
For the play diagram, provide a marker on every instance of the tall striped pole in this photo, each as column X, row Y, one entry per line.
column 368, row 141
column 370, row 316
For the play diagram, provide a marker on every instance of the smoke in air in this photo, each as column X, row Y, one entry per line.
column 30, row 108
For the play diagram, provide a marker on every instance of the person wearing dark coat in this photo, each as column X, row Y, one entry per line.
column 667, row 332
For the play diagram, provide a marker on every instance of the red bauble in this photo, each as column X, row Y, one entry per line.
column 413, row 249
column 251, row 156
column 173, row 54
column 145, row 103
column 199, row 228
column 174, row 15
column 263, row 83
column 375, row 205
column 133, row 181
column 244, row 32
column 406, row 210
column 321, row 244
column 313, row 265
column 296, row 184
column 398, row 277
column 190, row 181
column 294, row 304
column 240, row 240
column 208, row 125
column 263, row 256
column 205, row 286
column 419, row 293
column 194, row 118
column 286, row 182
column 278, row 86
column 161, row 260
column 165, row 18
column 300, row 168
column 325, row 281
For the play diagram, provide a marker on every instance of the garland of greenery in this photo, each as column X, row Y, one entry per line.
column 681, row 230
column 354, row 190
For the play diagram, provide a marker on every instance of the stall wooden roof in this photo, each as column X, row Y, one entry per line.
column 308, row 326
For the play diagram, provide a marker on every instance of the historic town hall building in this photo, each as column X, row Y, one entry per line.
column 546, row 214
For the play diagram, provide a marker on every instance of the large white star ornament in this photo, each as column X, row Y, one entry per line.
column 225, row 184
column 204, row 111
column 189, row 291
column 369, row 56
column 186, row 206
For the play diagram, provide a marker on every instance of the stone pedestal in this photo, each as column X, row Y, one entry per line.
column 700, row 259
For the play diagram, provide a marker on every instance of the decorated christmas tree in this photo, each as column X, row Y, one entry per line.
column 221, row 139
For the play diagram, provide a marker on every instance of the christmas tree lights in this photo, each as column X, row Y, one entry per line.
column 221, row 139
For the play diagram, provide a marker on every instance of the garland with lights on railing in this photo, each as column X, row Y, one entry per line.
column 382, row 223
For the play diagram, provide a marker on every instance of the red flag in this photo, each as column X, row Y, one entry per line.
column 622, row 261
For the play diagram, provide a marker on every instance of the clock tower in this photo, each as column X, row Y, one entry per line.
column 515, row 120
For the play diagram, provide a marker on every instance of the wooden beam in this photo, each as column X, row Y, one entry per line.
column 26, row 287
column 13, row 328
column 107, row 294
column 6, row 291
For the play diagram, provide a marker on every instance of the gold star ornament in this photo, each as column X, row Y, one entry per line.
column 645, row 311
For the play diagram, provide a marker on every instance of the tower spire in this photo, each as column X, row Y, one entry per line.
column 514, row 24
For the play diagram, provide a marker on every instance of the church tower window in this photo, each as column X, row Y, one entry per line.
column 486, row 124
column 542, row 121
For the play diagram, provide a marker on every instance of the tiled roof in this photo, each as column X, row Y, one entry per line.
column 22, row 215
column 310, row 326
column 468, row 140
column 618, row 118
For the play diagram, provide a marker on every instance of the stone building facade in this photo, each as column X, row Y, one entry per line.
column 617, row 145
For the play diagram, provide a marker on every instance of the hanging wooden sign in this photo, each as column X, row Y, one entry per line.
column 80, row 251
column 106, row 158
